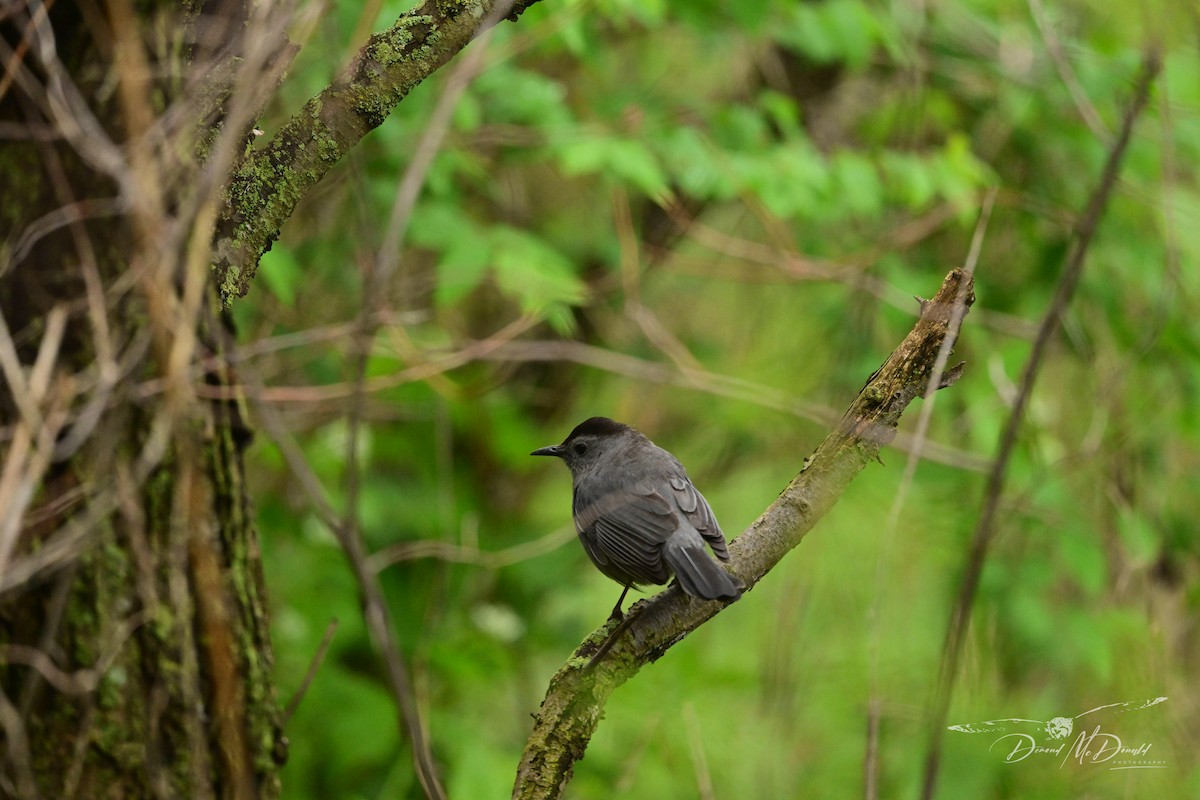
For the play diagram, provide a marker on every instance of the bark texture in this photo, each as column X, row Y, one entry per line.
column 135, row 656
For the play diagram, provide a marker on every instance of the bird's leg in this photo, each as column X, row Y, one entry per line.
column 617, row 613
column 610, row 641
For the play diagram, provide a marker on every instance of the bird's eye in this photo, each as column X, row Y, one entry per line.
column 579, row 448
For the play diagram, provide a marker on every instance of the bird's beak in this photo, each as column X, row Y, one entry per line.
column 552, row 450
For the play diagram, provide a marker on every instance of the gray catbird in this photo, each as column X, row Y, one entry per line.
column 638, row 515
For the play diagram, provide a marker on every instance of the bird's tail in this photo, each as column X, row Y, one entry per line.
column 698, row 574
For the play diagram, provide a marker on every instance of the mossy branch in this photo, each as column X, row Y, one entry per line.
column 576, row 696
column 267, row 184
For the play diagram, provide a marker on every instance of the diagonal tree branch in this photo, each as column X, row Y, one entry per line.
column 270, row 180
column 576, row 696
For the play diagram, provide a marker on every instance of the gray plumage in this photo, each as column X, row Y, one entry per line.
column 638, row 515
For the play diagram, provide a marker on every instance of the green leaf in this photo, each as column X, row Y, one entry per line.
column 783, row 111
column 1084, row 560
column 910, row 179
column 692, row 164
column 629, row 161
column 463, row 249
column 518, row 96
column 1138, row 534
column 633, row 162
column 831, row 31
column 790, row 180
column 853, row 29
column 740, row 128
column 538, row 276
column 960, row 173
column 858, row 185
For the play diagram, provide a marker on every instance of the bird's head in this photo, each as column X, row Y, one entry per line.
column 591, row 440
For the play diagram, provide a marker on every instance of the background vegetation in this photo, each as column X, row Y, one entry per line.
column 707, row 220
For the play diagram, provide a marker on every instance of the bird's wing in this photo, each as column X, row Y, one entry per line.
column 696, row 509
column 623, row 531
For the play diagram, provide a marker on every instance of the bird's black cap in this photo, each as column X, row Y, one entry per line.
column 597, row 426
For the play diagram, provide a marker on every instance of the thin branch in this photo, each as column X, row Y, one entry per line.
column 658, row 334
column 459, row 554
column 374, row 291
column 64, row 547
column 985, row 529
column 376, row 614
column 503, row 346
column 62, row 102
column 852, row 271
column 17, row 750
column 313, row 665
column 33, row 443
column 61, row 217
column 472, row 351
column 713, row 383
column 80, row 681
column 267, row 185
column 1063, row 66
column 575, row 700
column 871, row 756
column 704, row 784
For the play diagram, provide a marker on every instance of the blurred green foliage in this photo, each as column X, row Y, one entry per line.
column 723, row 210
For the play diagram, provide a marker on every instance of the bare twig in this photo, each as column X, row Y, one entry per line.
column 459, row 554
column 851, row 271
column 33, row 444
column 52, row 221
column 17, row 750
column 704, row 784
column 985, row 529
column 380, row 76
column 375, row 610
column 64, row 547
column 313, row 665
column 61, row 101
column 472, row 351
column 74, row 771
column 504, row 346
column 106, row 365
column 1063, row 66
column 713, row 383
column 80, row 681
column 374, row 284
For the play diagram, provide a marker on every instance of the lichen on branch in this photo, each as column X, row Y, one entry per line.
column 268, row 183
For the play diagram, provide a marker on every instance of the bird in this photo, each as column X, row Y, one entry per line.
column 640, row 519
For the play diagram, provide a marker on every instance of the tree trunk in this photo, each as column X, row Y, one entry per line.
column 135, row 656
